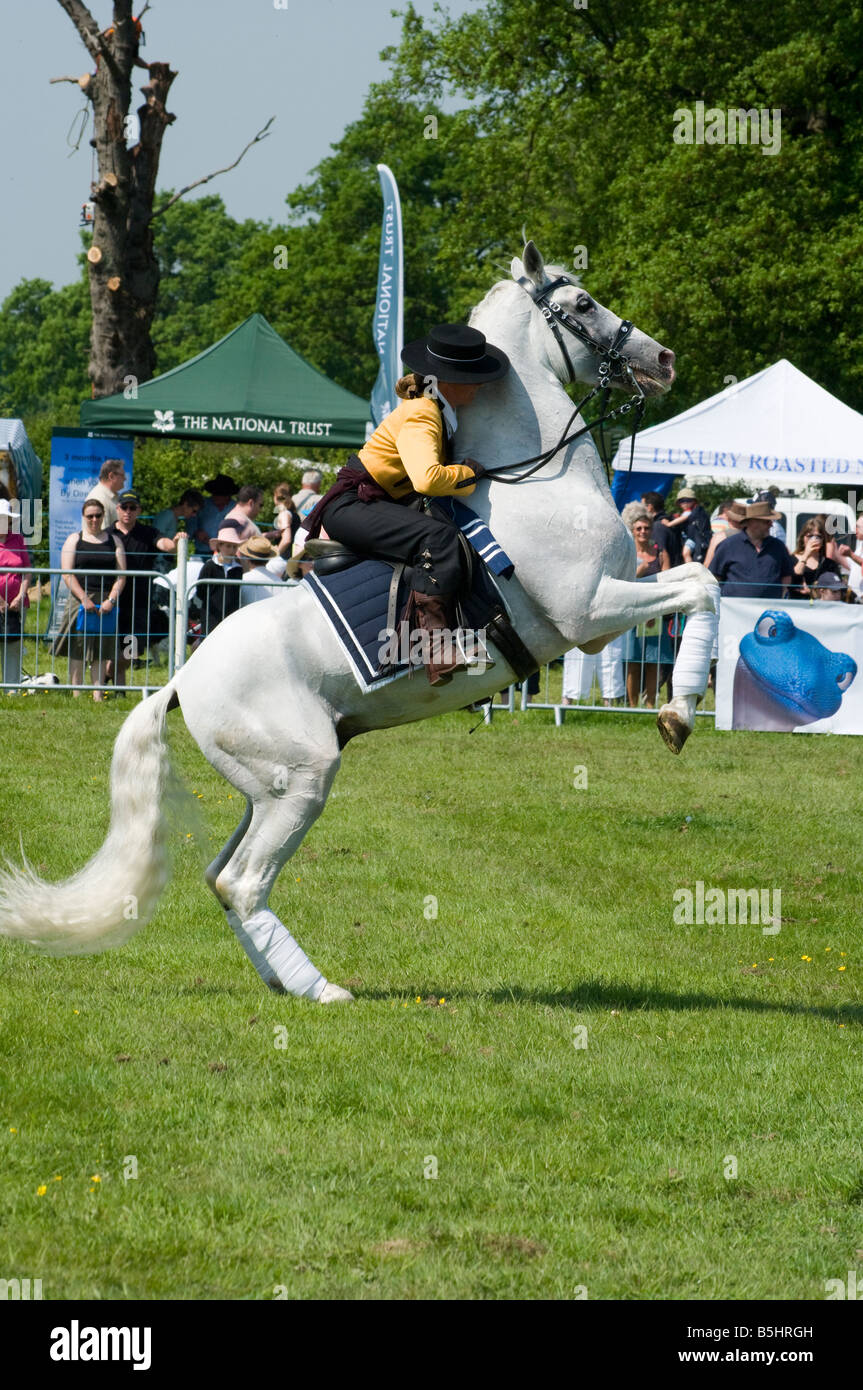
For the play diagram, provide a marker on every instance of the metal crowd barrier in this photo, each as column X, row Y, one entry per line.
column 544, row 691
column 168, row 621
column 49, row 652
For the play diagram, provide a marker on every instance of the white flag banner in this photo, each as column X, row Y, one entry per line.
column 790, row 665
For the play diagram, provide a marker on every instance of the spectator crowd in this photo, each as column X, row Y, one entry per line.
column 112, row 609
column 745, row 547
column 111, row 616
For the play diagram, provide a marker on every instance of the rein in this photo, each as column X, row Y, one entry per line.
column 612, row 362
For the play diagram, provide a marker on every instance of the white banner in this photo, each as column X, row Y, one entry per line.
column 788, row 665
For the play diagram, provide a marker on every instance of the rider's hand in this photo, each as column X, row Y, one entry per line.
column 478, row 470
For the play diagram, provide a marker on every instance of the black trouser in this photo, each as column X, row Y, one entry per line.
column 390, row 531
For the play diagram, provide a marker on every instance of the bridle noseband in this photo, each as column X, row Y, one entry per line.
column 613, row 363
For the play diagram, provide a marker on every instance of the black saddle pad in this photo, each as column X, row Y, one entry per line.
column 355, row 603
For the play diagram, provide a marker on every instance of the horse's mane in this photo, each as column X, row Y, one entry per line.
column 553, row 272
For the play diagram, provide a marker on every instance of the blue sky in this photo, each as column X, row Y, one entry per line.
column 239, row 62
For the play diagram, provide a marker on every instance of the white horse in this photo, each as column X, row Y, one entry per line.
column 270, row 698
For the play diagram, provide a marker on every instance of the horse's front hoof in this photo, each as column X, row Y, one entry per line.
column 334, row 994
column 674, row 730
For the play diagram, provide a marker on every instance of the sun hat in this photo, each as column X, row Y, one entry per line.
column 454, row 352
column 759, row 511
column 686, row 494
column 228, row 534
column 258, row 548
column 128, row 498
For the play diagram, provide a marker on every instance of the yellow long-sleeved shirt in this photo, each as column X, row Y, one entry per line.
column 406, row 450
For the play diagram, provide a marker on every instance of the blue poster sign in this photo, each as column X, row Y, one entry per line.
column 76, row 458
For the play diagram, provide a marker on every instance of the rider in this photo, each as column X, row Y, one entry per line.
column 407, row 459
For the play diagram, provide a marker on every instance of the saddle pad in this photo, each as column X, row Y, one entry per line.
column 354, row 602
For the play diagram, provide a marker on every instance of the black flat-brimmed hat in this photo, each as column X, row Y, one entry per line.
column 221, row 485
column 454, row 352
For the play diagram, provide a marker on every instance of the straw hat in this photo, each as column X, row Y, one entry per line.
column 759, row 511
column 258, row 548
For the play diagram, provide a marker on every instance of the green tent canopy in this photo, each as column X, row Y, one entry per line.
column 248, row 386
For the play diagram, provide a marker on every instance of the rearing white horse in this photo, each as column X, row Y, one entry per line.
column 270, row 698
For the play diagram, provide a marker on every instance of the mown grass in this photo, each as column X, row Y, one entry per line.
column 559, row 1166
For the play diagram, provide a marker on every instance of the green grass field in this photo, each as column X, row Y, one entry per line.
column 280, row 1145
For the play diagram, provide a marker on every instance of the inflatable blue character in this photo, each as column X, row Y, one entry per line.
column 786, row 677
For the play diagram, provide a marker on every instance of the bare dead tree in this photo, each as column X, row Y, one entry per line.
column 122, row 265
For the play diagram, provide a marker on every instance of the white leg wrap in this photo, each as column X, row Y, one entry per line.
column 283, row 957
column 269, row 977
column 692, row 666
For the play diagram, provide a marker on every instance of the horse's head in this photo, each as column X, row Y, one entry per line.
column 650, row 362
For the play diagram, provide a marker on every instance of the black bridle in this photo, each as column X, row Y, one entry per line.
column 613, row 363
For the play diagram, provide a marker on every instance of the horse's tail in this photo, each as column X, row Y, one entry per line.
column 116, row 892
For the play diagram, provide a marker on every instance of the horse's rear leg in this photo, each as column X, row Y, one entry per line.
column 211, row 874
column 280, row 818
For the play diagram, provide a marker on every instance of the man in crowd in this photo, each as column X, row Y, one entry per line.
column 221, row 490
column 309, row 494
column 664, row 537
column 264, row 569
column 752, row 563
column 167, row 522
column 249, row 502
column 136, row 623
column 112, row 480
column 776, row 529
column 852, row 561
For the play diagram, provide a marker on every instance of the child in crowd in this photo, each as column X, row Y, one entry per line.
column 220, row 599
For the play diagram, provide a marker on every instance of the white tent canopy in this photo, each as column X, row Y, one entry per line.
column 28, row 466
column 775, row 427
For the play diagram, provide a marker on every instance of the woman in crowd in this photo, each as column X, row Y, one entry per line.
column 813, row 556
column 287, row 519
column 13, row 593
column 94, row 639
column 643, row 643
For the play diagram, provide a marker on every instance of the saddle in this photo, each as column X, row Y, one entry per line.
column 478, row 603
column 329, row 556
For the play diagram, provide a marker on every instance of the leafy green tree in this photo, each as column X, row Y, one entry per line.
column 535, row 113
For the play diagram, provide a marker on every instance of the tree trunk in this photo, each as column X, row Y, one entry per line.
column 124, row 280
